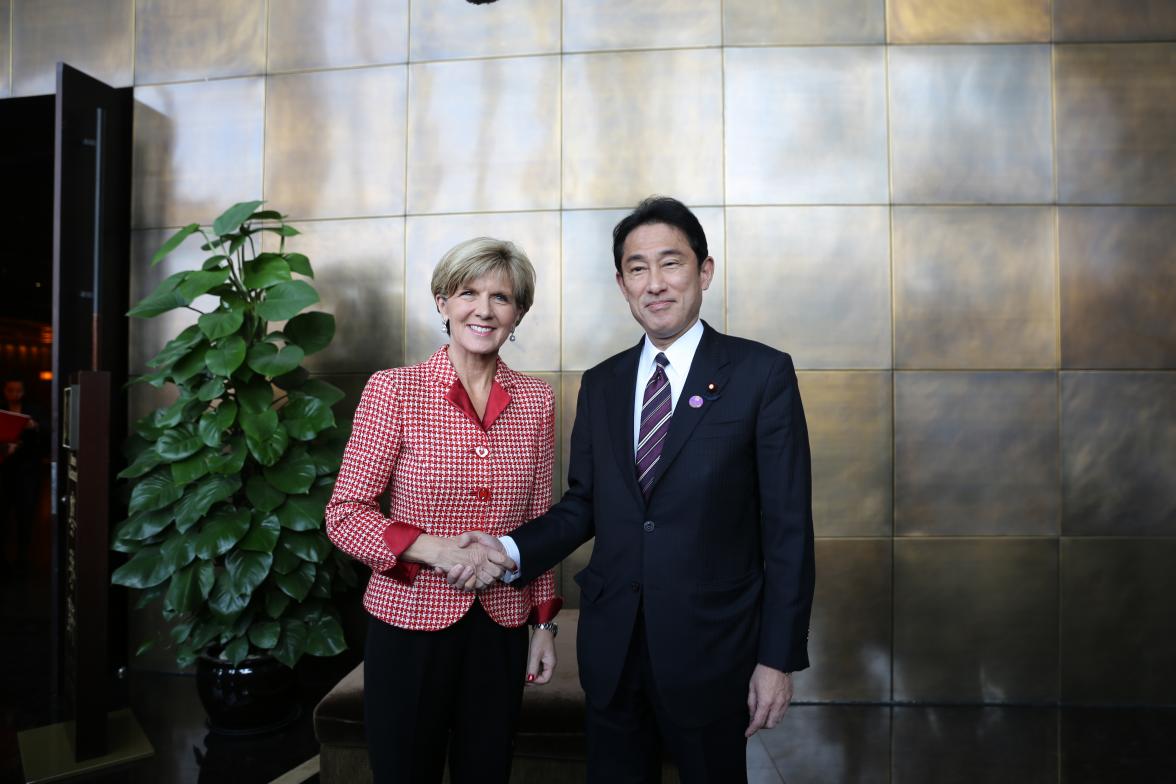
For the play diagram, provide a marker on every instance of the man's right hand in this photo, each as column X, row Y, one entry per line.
column 464, row 576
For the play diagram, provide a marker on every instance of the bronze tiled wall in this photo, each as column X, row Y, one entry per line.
column 959, row 216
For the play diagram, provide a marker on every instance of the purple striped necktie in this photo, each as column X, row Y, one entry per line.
column 655, row 424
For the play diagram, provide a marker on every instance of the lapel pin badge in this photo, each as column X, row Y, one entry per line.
column 712, row 393
column 695, row 401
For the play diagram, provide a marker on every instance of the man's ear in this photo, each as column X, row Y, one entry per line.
column 706, row 271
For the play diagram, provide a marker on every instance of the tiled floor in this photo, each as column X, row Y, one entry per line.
column 814, row 744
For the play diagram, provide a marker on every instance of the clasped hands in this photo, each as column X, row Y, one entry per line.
column 472, row 561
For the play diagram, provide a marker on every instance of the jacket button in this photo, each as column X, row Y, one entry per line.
column 634, row 586
column 483, row 494
column 648, row 526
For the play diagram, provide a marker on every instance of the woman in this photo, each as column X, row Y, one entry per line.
column 462, row 442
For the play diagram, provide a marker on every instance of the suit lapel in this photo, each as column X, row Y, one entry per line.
column 619, row 414
column 709, row 366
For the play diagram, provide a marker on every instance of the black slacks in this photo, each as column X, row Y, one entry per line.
column 458, row 689
column 627, row 738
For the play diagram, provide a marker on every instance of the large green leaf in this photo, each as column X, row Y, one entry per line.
column 226, row 356
column 236, row 651
column 143, row 525
column 322, row 584
column 276, row 603
column 224, row 600
column 327, row 458
column 211, row 389
column 255, row 395
column 177, row 347
column 263, row 533
column 292, row 644
column 325, row 637
column 258, row 425
column 264, row 496
column 248, row 568
column 200, row 281
column 269, row 449
column 213, row 424
column 179, row 550
column 308, row 545
column 304, row 512
column 268, row 269
column 265, row 634
column 232, row 218
column 164, row 298
column 214, row 262
column 171, row 416
column 293, row 474
column 323, row 390
column 173, row 242
column 297, row 583
column 285, row 559
column 269, row 361
column 223, row 321
column 311, row 331
column 231, row 459
column 154, row 492
column 300, row 264
column 306, row 417
column 221, row 530
column 200, row 497
column 147, row 568
column 144, row 462
column 178, row 443
column 285, row 300
column 192, row 468
column 183, row 594
column 190, row 364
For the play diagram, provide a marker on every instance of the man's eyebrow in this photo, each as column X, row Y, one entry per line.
column 637, row 256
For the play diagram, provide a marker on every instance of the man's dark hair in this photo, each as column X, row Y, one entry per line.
column 661, row 209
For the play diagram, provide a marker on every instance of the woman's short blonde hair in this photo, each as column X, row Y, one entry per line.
column 467, row 261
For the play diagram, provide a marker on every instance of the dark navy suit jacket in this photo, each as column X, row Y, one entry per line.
column 720, row 559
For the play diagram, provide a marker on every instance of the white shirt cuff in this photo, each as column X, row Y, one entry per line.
column 512, row 550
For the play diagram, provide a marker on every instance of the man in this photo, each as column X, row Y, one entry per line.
column 690, row 466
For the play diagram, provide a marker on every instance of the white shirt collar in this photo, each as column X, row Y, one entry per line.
column 680, row 353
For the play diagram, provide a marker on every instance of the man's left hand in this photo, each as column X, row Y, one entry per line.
column 768, row 696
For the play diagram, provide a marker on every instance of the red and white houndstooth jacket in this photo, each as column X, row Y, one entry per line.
column 416, row 434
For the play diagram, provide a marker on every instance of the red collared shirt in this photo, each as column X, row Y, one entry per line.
column 417, row 436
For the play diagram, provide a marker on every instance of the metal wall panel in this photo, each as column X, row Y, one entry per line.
column 967, row 21
column 177, row 40
column 306, row 34
column 359, row 275
column 1118, row 287
column 975, row 620
column 975, row 453
column 849, row 639
column 970, row 124
column 5, row 48
column 974, row 287
column 953, row 743
column 851, row 436
column 597, row 321
column 803, row 22
column 536, row 233
column 812, row 281
column 197, row 150
column 445, row 30
column 96, row 37
column 1118, row 631
column 644, row 122
column 597, row 25
column 821, row 744
column 1118, row 442
column 805, row 125
column 335, row 142
column 1116, row 124
column 1098, row 20
column 484, row 135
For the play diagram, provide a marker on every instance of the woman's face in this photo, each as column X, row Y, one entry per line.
column 481, row 314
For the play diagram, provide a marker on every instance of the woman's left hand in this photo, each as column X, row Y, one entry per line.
column 541, row 661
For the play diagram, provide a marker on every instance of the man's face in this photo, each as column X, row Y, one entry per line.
column 662, row 281
column 13, row 392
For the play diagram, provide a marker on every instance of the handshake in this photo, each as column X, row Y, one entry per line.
column 470, row 562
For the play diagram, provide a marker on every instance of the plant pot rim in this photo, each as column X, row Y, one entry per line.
column 265, row 657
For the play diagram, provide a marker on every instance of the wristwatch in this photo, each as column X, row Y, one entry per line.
column 552, row 626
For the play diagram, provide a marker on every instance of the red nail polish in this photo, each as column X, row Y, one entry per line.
column 530, row 678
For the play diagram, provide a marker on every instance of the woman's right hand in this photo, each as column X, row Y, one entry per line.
column 478, row 559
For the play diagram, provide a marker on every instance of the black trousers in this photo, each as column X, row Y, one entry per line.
column 457, row 690
column 628, row 737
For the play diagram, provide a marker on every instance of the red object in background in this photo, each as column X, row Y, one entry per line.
column 11, row 426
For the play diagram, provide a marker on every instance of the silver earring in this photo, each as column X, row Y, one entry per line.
column 512, row 336
column 444, row 327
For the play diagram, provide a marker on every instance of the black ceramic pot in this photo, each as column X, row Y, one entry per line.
column 256, row 696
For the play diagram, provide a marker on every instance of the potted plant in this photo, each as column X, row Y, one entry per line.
column 229, row 482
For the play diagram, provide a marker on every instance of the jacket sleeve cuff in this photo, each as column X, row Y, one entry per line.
column 546, row 612
column 399, row 537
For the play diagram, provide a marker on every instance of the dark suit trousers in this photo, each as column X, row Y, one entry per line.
column 627, row 738
column 458, row 689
